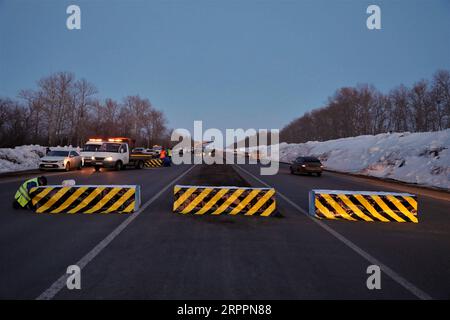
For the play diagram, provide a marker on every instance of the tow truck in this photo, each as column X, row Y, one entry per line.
column 115, row 153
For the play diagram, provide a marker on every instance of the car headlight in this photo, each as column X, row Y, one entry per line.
column 92, row 158
column 108, row 159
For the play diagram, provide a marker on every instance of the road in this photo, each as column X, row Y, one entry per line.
column 158, row 254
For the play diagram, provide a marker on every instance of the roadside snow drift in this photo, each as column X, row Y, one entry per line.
column 24, row 157
column 421, row 158
column 20, row 158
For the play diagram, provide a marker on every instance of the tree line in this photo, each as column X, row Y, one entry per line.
column 63, row 110
column 362, row 110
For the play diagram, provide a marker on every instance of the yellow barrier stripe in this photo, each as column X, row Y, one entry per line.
column 228, row 202
column 322, row 209
column 213, row 201
column 260, row 202
column 70, row 200
column 127, row 195
column 104, row 200
column 369, row 208
column 402, row 208
column 130, row 207
column 386, row 208
column 197, row 200
column 337, row 207
column 52, row 200
column 41, row 195
column 176, row 189
column 354, row 208
column 87, row 200
column 269, row 210
column 183, row 197
column 245, row 201
column 411, row 201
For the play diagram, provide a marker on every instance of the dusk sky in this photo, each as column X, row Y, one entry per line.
column 232, row 64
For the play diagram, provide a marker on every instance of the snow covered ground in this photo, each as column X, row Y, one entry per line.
column 23, row 157
column 422, row 158
column 20, row 158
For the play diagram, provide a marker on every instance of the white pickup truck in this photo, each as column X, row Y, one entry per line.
column 113, row 153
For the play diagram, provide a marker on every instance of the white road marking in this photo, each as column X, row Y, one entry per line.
column 372, row 260
column 59, row 284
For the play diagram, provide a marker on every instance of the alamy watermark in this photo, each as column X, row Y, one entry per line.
column 238, row 146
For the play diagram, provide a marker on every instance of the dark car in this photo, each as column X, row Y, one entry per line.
column 307, row 165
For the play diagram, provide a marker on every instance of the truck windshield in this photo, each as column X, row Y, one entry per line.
column 91, row 147
column 109, row 147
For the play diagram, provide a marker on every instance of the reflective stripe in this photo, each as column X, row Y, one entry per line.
column 22, row 196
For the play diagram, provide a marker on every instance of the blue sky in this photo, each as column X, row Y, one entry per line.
column 232, row 64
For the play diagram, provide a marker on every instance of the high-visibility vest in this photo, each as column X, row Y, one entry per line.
column 162, row 154
column 22, row 196
column 169, row 152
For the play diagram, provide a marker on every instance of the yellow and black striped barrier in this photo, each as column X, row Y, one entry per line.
column 153, row 163
column 363, row 206
column 224, row 200
column 86, row 199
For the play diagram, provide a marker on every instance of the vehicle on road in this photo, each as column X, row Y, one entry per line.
column 61, row 160
column 139, row 150
column 89, row 149
column 306, row 165
column 115, row 153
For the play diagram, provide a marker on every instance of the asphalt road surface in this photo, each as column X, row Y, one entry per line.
column 157, row 254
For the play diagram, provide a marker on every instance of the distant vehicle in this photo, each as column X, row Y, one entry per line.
column 139, row 150
column 115, row 153
column 157, row 149
column 152, row 152
column 61, row 160
column 308, row 165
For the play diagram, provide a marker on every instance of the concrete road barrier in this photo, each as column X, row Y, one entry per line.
column 86, row 199
column 153, row 163
column 224, row 200
column 363, row 206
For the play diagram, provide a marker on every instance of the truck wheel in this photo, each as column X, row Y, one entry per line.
column 118, row 165
column 139, row 164
column 97, row 168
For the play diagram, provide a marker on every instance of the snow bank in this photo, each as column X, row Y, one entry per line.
column 20, row 158
column 24, row 157
column 421, row 158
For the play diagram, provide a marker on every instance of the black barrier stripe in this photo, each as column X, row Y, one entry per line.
column 377, row 207
column 406, row 204
column 81, row 198
column 266, row 205
column 96, row 199
column 360, row 206
column 44, row 199
column 330, row 208
column 61, row 200
column 113, row 200
column 104, row 193
column 344, row 207
column 393, row 208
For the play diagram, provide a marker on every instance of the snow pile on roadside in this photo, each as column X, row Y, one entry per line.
column 20, row 158
column 25, row 157
column 421, row 158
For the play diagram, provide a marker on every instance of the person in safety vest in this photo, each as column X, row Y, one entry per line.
column 162, row 154
column 22, row 196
